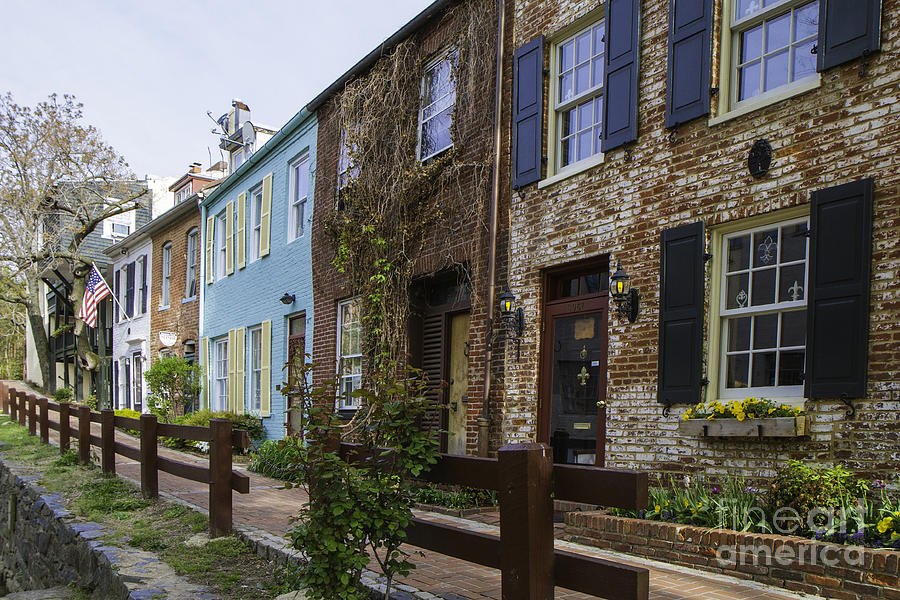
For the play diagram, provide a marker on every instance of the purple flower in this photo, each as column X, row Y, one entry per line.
column 857, row 536
column 715, row 490
column 878, row 485
column 820, row 533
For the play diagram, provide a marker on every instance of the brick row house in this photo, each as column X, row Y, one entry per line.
column 737, row 160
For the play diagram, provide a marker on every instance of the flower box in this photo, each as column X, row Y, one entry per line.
column 756, row 427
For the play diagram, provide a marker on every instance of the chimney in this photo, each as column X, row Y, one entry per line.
column 195, row 168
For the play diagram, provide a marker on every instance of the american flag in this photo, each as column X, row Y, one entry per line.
column 95, row 291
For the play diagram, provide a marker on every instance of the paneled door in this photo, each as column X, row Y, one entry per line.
column 459, row 383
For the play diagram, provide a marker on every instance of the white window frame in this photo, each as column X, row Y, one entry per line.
column 125, row 219
column 346, row 169
column 560, row 107
column 183, row 193
column 732, row 27
column 255, row 195
column 448, row 56
column 222, row 239
column 191, row 271
column 720, row 314
column 349, row 365
column 166, row 287
column 254, row 397
column 140, row 272
column 137, row 381
column 298, row 170
column 220, row 375
column 237, row 159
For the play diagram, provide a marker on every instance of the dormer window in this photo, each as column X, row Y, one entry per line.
column 118, row 226
column 237, row 159
column 182, row 193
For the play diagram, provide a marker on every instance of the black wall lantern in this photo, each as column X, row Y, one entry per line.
column 627, row 298
column 287, row 299
column 513, row 318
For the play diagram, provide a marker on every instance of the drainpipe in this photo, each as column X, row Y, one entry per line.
column 484, row 421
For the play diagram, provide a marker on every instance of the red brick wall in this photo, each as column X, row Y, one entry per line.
column 180, row 317
column 462, row 237
column 845, row 130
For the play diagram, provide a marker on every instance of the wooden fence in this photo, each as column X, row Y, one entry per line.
column 34, row 411
column 527, row 482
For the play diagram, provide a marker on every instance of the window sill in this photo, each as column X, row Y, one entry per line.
column 754, row 105
column 579, row 167
column 778, row 427
column 162, row 308
column 191, row 299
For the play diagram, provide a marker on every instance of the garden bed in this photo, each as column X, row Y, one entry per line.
column 793, row 563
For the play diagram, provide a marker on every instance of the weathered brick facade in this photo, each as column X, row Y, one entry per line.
column 182, row 315
column 461, row 238
column 844, row 130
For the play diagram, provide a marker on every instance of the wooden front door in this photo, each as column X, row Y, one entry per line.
column 459, row 383
column 572, row 415
column 296, row 357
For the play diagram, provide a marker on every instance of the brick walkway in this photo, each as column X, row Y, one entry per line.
column 269, row 507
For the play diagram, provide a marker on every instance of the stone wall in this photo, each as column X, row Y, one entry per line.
column 796, row 564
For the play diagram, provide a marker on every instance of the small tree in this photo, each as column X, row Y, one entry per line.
column 169, row 380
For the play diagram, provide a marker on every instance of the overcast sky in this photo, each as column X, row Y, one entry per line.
column 147, row 72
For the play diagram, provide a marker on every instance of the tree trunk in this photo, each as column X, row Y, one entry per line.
column 39, row 333
column 90, row 360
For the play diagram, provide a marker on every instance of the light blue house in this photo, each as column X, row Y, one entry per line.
column 256, row 300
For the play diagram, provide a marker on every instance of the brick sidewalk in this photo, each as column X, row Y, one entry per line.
column 269, row 507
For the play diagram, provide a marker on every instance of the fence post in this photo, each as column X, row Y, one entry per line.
column 220, row 477
column 63, row 427
column 44, row 420
column 84, row 435
column 108, row 441
column 32, row 414
column 13, row 406
column 4, row 397
column 149, row 474
column 23, row 409
column 526, row 521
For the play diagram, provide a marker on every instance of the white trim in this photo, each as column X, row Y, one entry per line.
column 219, row 400
column 343, row 403
column 572, row 170
column 253, row 352
column 764, row 100
column 295, row 166
column 449, row 55
column 255, row 222
column 221, row 251
column 165, row 290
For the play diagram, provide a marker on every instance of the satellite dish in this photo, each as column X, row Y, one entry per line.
column 248, row 135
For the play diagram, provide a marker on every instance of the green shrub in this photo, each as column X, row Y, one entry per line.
column 201, row 418
column 455, row 497
column 63, row 394
column 804, row 488
column 131, row 414
column 171, row 380
column 278, row 459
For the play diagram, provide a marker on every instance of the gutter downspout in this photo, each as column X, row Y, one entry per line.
column 484, row 422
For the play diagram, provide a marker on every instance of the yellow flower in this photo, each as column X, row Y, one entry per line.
column 771, row 410
column 658, row 508
column 710, row 417
column 798, row 410
column 885, row 524
column 687, row 504
column 751, row 415
column 740, row 417
column 685, row 417
column 895, row 535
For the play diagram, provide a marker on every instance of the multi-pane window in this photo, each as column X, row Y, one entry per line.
column 237, row 159
column 182, row 193
column 346, row 169
column 125, row 382
column 436, row 115
column 578, row 64
column 299, row 181
column 166, row 287
column 256, row 198
column 222, row 240
column 256, row 368
column 763, row 310
column 138, row 380
column 220, row 375
column 190, row 287
column 774, row 42
column 349, row 353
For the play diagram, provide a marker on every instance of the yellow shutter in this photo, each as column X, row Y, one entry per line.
column 241, row 231
column 210, row 230
column 229, row 238
column 265, row 216
column 231, row 374
column 265, row 360
column 205, row 370
column 240, row 359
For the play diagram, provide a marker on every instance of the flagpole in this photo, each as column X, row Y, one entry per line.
column 112, row 294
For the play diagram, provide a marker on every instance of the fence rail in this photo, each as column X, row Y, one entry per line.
column 527, row 482
column 34, row 411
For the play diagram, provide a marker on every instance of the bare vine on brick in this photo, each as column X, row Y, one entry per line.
column 393, row 206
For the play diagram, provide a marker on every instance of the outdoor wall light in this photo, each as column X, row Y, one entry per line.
column 513, row 319
column 287, row 299
column 627, row 298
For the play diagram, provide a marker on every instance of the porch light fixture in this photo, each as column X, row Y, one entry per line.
column 287, row 299
column 513, row 319
column 627, row 298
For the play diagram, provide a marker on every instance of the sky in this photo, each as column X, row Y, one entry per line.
column 147, row 72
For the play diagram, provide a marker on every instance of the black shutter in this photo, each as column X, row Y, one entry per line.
column 528, row 94
column 144, row 284
column 118, row 295
column 129, row 290
column 848, row 29
column 620, row 77
column 681, row 277
column 687, row 91
column 433, row 355
column 840, row 256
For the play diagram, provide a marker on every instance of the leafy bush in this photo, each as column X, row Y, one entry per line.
column 63, row 394
column 171, row 380
column 457, row 497
column 201, row 418
column 278, row 459
column 131, row 414
column 805, row 488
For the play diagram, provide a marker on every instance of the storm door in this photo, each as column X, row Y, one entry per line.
column 296, row 358
column 572, row 415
